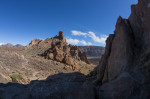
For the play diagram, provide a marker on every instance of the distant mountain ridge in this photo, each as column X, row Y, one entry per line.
column 93, row 51
column 9, row 45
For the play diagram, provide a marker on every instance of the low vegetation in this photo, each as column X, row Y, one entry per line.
column 16, row 78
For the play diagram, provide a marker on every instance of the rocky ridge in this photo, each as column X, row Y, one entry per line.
column 58, row 50
column 9, row 45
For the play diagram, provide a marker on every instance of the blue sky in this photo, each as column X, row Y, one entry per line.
column 84, row 22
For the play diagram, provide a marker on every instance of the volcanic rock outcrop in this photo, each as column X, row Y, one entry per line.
column 56, row 48
column 127, row 50
column 33, row 42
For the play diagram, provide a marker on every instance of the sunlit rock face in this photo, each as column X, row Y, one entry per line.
column 57, row 49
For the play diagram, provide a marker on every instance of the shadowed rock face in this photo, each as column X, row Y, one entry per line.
column 127, row 50
column 60, row 86
column 130, row 41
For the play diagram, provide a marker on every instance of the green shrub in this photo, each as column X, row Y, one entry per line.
column 16, row 78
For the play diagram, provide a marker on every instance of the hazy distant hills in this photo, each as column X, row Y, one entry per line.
column 9, row 45
column 92, row 51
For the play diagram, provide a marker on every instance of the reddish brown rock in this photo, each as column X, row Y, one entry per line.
column 61, row 52
column 33, row 42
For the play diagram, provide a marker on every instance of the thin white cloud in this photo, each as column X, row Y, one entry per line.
column 78, row 33
column 77, row 42
column 92, row 35
column 97, row 39
column 85, row 43
column 1, row 44
column 73, row 41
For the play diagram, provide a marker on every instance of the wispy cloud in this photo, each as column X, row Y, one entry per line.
column 99, row 39
column 77, row 42
column 78, row 33
column 85, row 43
column 1, row 44
column 73, row 41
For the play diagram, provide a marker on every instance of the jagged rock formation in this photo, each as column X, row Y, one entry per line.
column 129, row 41
column 56, row 48
column 33, row 42
column 127, row 50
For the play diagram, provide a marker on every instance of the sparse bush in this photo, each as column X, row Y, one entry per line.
column 16, row 78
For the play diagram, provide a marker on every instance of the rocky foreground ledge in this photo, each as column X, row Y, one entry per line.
column 59, row 86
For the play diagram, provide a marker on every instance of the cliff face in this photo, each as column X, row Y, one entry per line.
column 127, row 52
column 119, row 51
column 130, row 42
